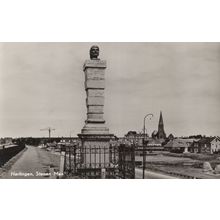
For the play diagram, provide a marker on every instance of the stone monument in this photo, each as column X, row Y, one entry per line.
column 95, row 135
column 217, row 169
column 94, row 70
column 207, row 168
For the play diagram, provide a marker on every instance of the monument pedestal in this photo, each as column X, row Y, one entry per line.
column 95, row 135
column 94, row 85
column 96, row 150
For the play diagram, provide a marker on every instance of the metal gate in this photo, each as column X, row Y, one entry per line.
column 126, row 162
column 95, row 162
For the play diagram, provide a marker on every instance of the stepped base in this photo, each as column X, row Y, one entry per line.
column 95, row 128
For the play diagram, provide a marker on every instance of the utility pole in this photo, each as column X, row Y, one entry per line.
column 49, row 129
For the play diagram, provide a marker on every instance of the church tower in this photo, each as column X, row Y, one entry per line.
column 161, row 133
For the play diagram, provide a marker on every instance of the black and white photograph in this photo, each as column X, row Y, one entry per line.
column 110, row 110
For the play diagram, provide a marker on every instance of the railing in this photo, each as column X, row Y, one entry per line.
column 112, row 162
column 107, row 162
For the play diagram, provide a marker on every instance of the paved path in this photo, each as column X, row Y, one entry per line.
column 151, row 175
column 34, row 163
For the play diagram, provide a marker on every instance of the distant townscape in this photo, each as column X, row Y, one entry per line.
column 196, row 156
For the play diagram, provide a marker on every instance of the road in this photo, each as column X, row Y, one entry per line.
column 34, row 163
column 151, row 175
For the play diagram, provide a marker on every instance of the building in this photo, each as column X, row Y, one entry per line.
column 204, row 145
column 134, row 138
column 170, row 137
column 155, row 144
column 215, row 145
column 207, row 145
column 180, row 145
column 161, row 133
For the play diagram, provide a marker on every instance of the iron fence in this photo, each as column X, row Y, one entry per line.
column 108, row 162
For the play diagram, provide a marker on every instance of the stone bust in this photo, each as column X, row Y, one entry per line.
column 94, row 52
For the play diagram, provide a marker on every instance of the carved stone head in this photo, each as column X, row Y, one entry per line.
column 94, row 52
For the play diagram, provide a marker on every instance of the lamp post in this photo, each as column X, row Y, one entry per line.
column 144, row 156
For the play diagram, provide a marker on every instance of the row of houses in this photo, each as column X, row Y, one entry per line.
column 196, row 144
column 209, row 145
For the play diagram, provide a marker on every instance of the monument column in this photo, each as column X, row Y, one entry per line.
column 95, row 135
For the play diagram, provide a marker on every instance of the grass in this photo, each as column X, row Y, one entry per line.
column 186, row 164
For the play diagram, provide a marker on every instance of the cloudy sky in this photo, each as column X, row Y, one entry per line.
column 42, row 84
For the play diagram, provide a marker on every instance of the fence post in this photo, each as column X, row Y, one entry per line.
column 70, row 165
column 133, row 161
column 74, row 158
column 52, row 175
column 144, row 160
column 62, row 161
column 103, row 173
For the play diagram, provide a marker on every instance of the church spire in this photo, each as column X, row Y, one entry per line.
column 161, row 132
column 161, row 119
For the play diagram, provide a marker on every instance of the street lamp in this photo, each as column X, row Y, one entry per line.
column 150, row 116
column 144, row 156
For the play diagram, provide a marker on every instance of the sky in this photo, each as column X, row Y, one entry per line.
column 42, row 85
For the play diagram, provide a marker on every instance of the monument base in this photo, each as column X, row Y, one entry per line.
column 95, row 137
column 95, row 129
column 96, row 153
